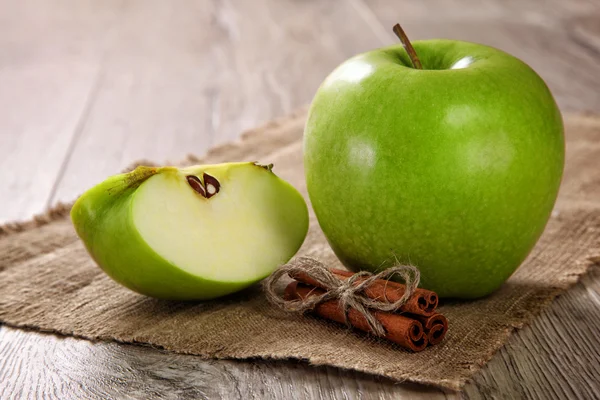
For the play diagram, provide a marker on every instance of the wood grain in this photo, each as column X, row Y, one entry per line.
column 34, row 364
column 86, row 87
column 202, row 75
column 555, row 358
column 37, row 147
column 48, row 78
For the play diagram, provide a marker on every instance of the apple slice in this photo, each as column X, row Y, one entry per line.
column 193, row 233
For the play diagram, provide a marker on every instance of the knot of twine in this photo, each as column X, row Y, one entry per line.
column 348, row 292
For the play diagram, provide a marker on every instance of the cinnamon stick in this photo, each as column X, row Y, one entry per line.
column 422, row 302
column 406, row 332
column 435, row 327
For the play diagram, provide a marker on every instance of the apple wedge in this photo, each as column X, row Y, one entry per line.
column 193, row 233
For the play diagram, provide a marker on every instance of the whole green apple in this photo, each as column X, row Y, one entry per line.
column 193, row 233
column 454, row 168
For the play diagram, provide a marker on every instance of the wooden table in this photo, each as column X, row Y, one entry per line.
column 87, row 86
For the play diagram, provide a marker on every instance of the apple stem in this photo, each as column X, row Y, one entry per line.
column 414, row 58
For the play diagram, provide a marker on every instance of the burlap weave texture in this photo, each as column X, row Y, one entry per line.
column 48, row 282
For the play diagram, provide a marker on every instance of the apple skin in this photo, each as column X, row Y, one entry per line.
column 453, row 170
column 102, row 217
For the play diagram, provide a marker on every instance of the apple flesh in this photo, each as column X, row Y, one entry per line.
column 193, row 233
column 454, row 168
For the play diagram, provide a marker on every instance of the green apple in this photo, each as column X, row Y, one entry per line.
column 193, row 233
column 454, row 168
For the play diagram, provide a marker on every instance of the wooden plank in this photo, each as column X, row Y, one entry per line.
column 176, row 78
column 34, row 364
column 44, row 92
column 49, row 69
column 533, row 11
column 202, row 73
column 41, row 107
column 556, row 357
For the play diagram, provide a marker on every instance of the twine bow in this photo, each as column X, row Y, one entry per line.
column 348, row 292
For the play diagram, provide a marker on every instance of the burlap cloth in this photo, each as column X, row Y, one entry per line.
column 48, row 282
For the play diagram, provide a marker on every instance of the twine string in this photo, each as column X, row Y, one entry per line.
column 348, row 292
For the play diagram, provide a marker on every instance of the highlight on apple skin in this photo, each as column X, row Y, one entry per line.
column 454, row 167
column 193, row 233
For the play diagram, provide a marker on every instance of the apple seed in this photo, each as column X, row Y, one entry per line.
column 196, row 184
column 212, row 185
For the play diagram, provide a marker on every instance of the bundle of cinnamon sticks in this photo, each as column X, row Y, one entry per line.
column 414, row 326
